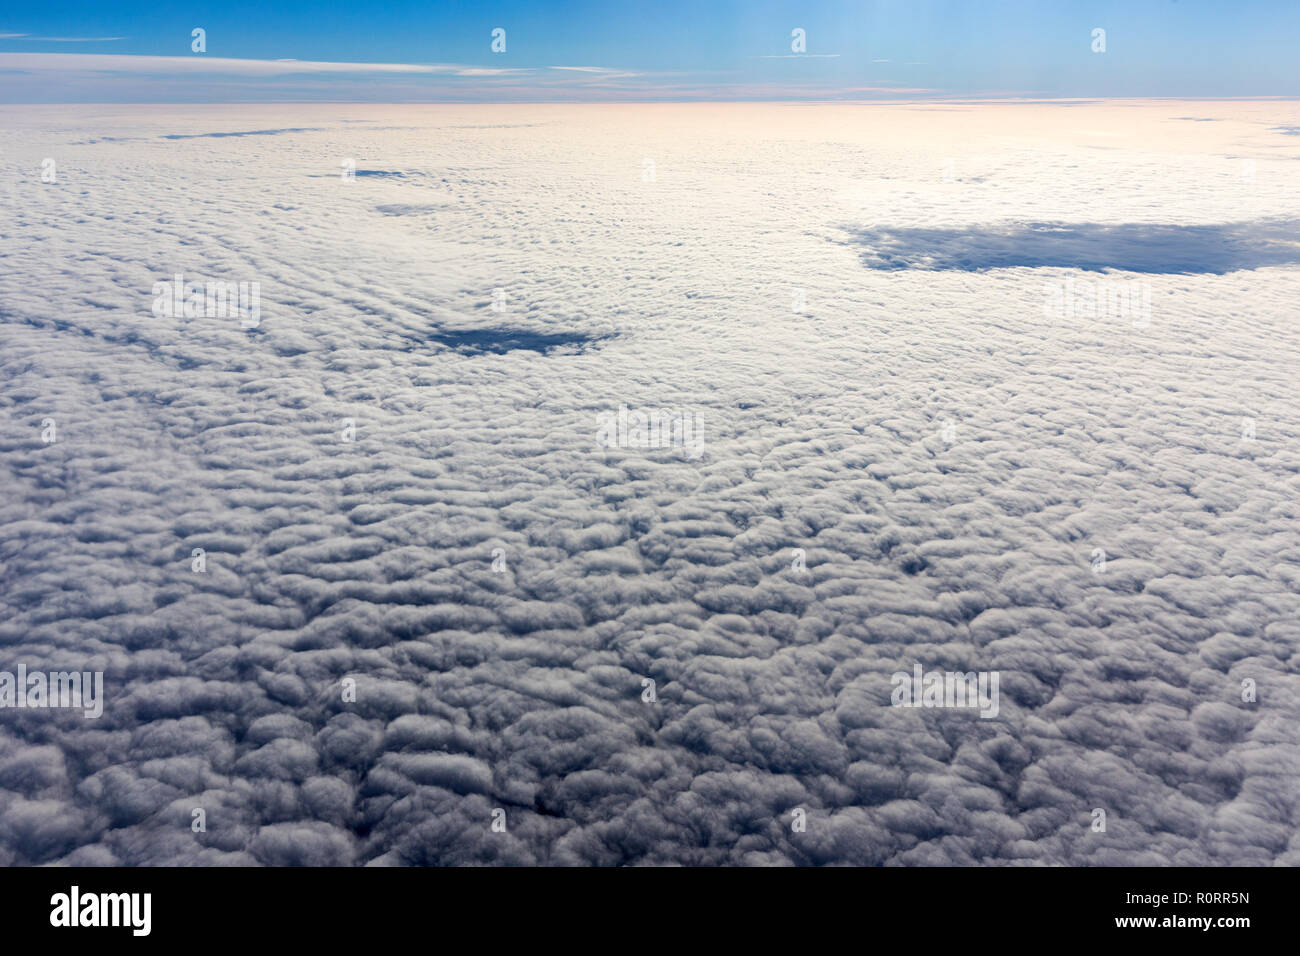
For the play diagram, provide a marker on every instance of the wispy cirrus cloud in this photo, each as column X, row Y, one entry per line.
column 91, row 76
column 27, row 36
column 489, row 71
column 598, row 72
column 123, row 63
column 130, row 63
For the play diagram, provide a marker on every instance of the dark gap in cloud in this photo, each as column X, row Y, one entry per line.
column 502, row 340
column 1213, row 249
column 249, row 132
column 375, row 173
column 407, row 209
column 1287, row 130
column 1197, row 119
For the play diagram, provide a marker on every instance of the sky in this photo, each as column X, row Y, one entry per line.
column 671, row 50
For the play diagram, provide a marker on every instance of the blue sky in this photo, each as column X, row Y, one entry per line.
column 668, row 50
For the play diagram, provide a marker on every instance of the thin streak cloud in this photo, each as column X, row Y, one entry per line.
column 119, row 63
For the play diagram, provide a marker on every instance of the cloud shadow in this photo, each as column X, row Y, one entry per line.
column 249, row 132
column 1212, row 249
column 503, row 340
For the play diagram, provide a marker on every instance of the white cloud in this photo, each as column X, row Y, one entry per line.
column 476, row 432
column 201, row 63
column 598, row 72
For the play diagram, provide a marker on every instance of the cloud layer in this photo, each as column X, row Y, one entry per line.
column 500, row 587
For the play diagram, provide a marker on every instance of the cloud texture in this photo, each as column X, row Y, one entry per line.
column 947, row 458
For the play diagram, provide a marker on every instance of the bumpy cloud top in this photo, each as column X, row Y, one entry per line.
column 458, row 610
